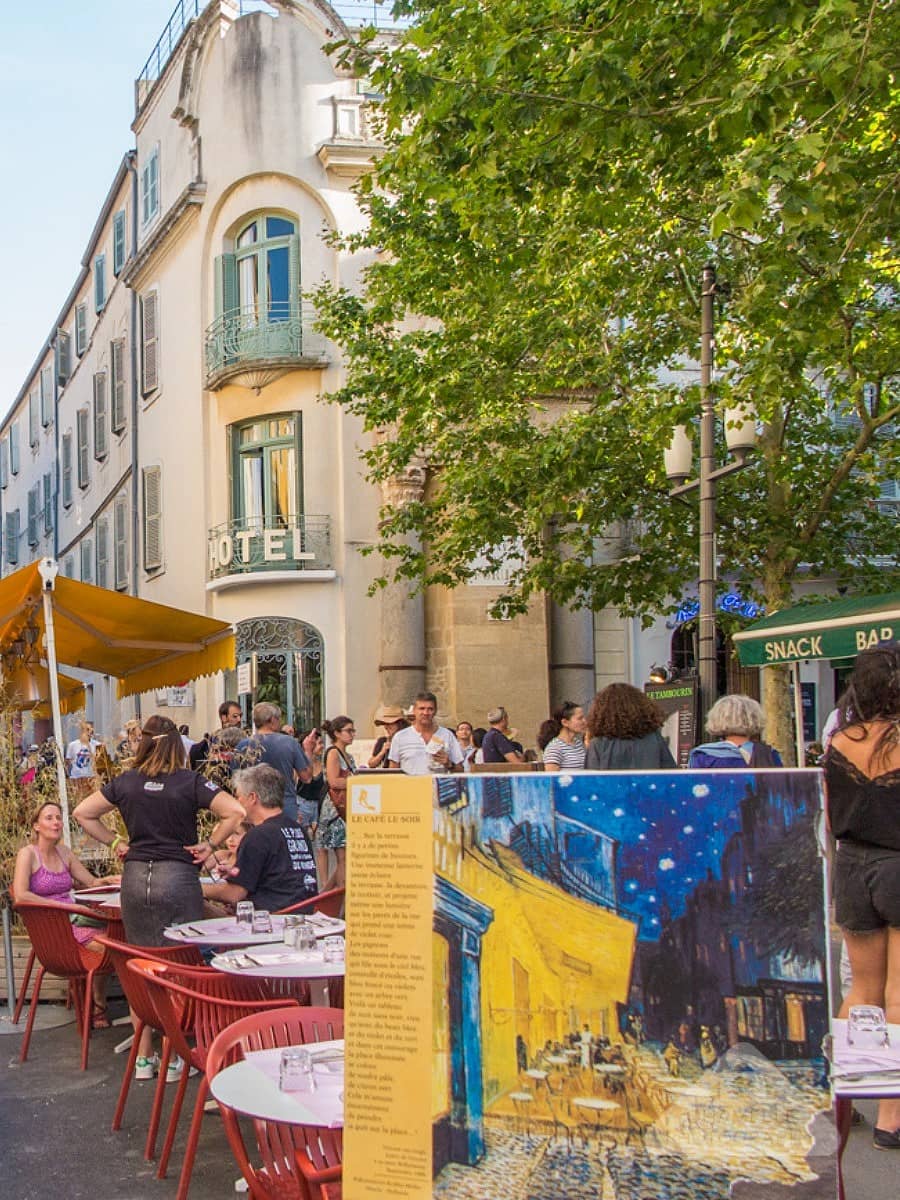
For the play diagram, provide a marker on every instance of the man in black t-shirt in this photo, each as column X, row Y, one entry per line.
column 498, row 746
column 274, row 866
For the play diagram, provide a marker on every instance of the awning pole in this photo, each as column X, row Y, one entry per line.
column 798, row 715
column 49, row 569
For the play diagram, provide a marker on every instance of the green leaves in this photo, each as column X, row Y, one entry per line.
column 557, row 173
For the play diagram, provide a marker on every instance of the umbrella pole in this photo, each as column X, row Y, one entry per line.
column 798, row 715
column 50, row 639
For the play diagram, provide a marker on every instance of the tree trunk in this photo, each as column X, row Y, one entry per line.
column 778, row 707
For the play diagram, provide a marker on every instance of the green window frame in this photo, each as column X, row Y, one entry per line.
column 258, row 280
column 267, row 470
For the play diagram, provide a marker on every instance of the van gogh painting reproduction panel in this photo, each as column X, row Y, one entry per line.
column 629, row 998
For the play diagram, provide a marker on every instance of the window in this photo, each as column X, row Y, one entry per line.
column 81, row 429
column 101, row 441
column 47, row 396
column 260, row 280
column 102, row 553
column 4, row 463
column 117, row 384
column 86, row 549
column 149, row 343
column 152, row 480
column 119, row 245
column 48, row 503
column 34, row 418
column 67, row 470
column 120, row 530
column 80, row 329
column 99, row 283
column 69, row 566
column 12, row 537
column 62, row 351
column 34, row 502
column 266, row 458
column 14, row 448
column 150, row 187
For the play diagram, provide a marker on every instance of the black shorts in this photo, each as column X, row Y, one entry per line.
column 866, row 888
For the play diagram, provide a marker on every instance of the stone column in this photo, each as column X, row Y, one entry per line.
column 401, row 661
column 571, row 665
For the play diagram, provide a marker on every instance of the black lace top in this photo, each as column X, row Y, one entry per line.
column 862, row 809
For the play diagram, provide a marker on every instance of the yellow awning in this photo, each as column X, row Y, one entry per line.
column 143, row 644
column 28, row 687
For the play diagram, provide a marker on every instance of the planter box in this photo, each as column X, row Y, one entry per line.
column 53, row 987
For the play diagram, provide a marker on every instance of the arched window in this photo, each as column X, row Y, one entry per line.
column 289, row 659
column 258, row 279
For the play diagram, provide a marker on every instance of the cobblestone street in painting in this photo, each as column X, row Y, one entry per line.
column 747, row 1121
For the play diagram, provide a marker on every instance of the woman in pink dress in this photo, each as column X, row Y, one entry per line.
column 46, row 872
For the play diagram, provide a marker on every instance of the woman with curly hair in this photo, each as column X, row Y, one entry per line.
column 624, row 726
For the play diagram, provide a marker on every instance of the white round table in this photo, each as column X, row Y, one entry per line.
column 251, row 1087
column 225, row 931
column 284, row 963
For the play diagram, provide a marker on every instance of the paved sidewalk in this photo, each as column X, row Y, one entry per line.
column 55, row 1136
column 56, row 1142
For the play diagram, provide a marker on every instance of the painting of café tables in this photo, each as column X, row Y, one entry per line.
column 628, row 997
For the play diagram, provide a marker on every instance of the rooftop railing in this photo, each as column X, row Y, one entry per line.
column 354, row 13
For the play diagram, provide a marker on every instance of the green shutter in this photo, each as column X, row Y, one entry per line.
column 47, row 396
column 81, row 429
column 34, row 412
column 294, row 274
column 117, row 384
column 33, row 517
column 87, row 560
column 67, row 470
column 14, row 448
column 4, row 463
column 12, row 537
column 102, row 552
column 48, row 503
column 120, row 530
column 63, row 354
column 150, row 343
column 80, row 329
column 100, row 282
column 100, row 439
column 119, row 242
column 152, row 480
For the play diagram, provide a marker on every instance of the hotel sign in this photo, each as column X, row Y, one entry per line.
column 248, row 549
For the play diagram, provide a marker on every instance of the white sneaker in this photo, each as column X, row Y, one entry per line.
column 146, row 1068
column 176, row 1067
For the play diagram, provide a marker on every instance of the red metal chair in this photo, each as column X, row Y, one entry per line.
column 58, row 952
column 140, row 1001
column 297, row 1160
column 214, row 1000
column 329, row 904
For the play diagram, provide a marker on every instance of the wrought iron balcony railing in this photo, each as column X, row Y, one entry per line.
column 262, row 341
column 255, row 545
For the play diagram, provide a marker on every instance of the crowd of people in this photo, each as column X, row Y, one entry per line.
column 278, row 802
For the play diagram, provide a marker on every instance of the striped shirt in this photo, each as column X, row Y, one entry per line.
column 566, row 757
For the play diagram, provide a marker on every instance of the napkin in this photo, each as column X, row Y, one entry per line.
column 285, row 956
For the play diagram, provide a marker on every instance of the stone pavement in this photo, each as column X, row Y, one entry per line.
column 56, row 1144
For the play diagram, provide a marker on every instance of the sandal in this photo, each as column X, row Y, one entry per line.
column 99, row 1019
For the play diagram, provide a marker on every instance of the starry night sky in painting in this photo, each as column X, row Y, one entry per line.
column 671, row 828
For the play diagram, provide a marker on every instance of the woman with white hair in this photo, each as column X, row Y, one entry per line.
column 737, row 722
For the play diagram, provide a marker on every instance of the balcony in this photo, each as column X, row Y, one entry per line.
column 283, row 550
column 252, row 346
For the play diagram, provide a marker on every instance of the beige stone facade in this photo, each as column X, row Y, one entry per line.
column 192, row 457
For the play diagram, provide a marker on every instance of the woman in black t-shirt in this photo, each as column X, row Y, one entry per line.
column 159, row 800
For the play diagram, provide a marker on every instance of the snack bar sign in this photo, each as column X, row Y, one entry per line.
column 841, row 641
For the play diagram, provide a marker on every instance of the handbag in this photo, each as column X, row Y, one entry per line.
column 339, row 795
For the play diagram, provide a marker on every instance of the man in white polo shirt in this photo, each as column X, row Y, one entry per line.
column 424, row 747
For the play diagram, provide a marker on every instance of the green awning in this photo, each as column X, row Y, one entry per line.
column 835, row 629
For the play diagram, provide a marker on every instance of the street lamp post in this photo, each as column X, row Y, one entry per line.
column 740, row 437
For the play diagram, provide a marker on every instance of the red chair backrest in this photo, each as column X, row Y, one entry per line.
column 328, row 903
column 222, row 1000
column 269, row 1030
column 50, row 932
column 137, row 992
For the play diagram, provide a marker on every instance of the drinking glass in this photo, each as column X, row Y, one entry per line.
column 291, row 925
column 333, row 948
column 262, row 921
column 306, row 938
column 295, row 1070
column 243, row 913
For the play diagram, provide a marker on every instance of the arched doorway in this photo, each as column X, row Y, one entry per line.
column 289, row 657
